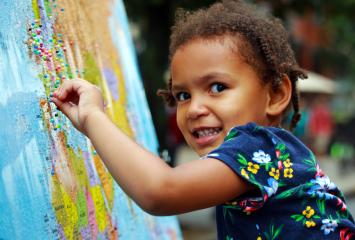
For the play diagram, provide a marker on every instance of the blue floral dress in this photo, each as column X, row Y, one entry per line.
column 293, row 198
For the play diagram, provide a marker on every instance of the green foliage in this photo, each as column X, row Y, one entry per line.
column 288, row 193
column 231, row 135
column 242, row 160
column 297, row 217
column 284, row 157
column 321, row 205
column 309, row 162
column 227, row 212
column 281, row 147
column 229, row 238
column 273, row 232
column 268, row 165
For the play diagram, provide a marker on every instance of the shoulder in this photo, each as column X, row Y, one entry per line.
column 253, row 129
column 253, row 135
column 275, row 150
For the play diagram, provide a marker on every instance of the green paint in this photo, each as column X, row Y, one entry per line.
column 82, row 209
column 47, row 6
column 69, row 71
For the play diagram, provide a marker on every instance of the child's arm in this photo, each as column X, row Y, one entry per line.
column 149, row 181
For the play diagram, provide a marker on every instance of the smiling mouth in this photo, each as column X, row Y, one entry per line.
column 206, row 132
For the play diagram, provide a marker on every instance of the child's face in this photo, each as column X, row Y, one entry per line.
column 215, row 90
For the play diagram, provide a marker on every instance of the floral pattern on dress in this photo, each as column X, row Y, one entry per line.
column 286, row 177
column 308, row 217
column 329, row 225
column 261, row 157
column 321, row 187
column 271, row 189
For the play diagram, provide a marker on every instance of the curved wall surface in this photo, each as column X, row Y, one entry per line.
column 52, row 183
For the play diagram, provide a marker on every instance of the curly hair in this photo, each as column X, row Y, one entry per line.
column 261, row 39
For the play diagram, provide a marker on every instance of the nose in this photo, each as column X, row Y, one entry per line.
column 197, row 108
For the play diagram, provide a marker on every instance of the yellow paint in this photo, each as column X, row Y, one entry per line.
column 92, row 72
column 100, row 209
column 65, row 209
column 120, row 117
column 72, row 217
column 36, row 9
column 57, row 202
column 78, row 167
column 105, row 179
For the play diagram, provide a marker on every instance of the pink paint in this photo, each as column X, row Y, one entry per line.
column 91, row 214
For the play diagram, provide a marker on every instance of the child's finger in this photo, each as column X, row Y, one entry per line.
column 61, row 93
column 66, row 107
column 67, row 88
column 56, row 101
column 60, row 105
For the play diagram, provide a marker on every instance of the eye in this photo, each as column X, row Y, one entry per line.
column 182, row 96
column 217, row 87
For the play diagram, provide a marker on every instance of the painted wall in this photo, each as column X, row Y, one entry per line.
column 52, row 183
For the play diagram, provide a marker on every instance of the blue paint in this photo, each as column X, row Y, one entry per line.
column 28, row 149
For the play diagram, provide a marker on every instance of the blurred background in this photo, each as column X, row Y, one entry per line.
column 323, row 37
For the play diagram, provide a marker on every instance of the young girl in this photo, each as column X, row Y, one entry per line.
column 233, row 76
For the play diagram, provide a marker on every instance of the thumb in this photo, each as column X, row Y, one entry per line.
column 69, row 109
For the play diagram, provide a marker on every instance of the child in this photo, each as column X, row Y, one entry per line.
column 233, row 76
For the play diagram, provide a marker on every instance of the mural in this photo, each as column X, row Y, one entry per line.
column 52, row 183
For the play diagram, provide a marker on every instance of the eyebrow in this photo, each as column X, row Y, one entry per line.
column 177, row 88
column 203, row 79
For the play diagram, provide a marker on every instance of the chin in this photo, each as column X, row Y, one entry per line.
column 200, row 152
column 205, row 151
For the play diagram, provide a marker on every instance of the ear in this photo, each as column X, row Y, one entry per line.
column 279, row 98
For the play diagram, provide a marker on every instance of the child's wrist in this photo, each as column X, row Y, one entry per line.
column 92, row 121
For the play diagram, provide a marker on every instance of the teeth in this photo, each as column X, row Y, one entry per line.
column 207, row 132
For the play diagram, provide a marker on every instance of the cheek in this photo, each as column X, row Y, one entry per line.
column 231, row 121
column 181, row 124
column 180, row 121
column 236, row 114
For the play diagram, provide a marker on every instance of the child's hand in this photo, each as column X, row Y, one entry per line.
column 78, row 99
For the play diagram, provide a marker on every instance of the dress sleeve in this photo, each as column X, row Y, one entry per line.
column 252, row 153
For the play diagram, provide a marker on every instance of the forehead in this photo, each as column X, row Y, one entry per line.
column 215, row 58
column 227, row 40
column 202, row 55
column 200, row 47
column 235, row 43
